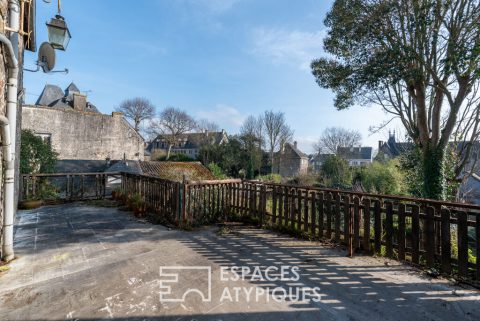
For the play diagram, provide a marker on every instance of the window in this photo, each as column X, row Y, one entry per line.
column 46, row 138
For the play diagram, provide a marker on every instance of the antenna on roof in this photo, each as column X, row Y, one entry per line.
column 46, row 60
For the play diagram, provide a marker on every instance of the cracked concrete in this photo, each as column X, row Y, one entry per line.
column 77, row 262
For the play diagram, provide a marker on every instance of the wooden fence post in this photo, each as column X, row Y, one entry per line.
column 415, row 234
column 263, row 204
column 462, row 241
column 389, row 229
column 430, row 236
column 305, row 211
column 292, row 209
column 328, row 212
column 378, row 226
column 356, row 222
column 274, row 205
column 366, row 224
column 348, row 233
column 401, row 232
column 184, row 190
column 313, row 210
column 338, row 199
column 321, row 213
column 446, row 241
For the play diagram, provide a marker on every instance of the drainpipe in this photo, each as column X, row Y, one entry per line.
column 9, row 125
column 14, row 21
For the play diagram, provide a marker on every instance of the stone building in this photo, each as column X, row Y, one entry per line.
column 391, row 148
column 77, row 130
column 316, row 162
column 188, row 144
column 290, row 161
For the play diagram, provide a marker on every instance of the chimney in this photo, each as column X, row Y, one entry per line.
column 79, row 102
column 295, row 144
column 380, row 144
column 117, row 114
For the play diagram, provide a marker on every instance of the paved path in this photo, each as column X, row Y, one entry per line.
column 88, row 263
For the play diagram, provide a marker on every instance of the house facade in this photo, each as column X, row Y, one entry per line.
column 77, row 130
column 290, row 161
column 391, row 148
column 188, row 144
column 316, row 162
column 356, row 156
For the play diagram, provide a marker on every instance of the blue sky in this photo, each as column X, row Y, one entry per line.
column 217, row 59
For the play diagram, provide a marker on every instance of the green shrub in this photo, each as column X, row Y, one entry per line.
column 336, row 172
column 304, row 180
column 270, row 178
column 36, row 155
column 383, row 178
column 216, row 171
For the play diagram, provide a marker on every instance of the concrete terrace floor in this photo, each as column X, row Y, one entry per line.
column 77, row 262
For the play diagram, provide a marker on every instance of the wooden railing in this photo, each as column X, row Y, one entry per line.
column 435, row 234
column 438, row 235
column 163, row 197
column 68, row 186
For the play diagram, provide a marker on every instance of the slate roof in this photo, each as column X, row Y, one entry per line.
column 72, row 88
column 80, row 166
column 54, row 96
column 355, row 152
column 127, row 166
column 392, row 148
column 50, row 95
column 320, row 158
column 296, row 150
column 192, row 140
column 175, row 171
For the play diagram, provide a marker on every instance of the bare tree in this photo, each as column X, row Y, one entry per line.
column 335, row 137
column 172, row 123
column 277, row 132
column 137, row 109
column 253, row 128
column 286, row 135
column 205, row 125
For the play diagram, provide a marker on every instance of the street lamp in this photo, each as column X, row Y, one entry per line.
column 58, row 34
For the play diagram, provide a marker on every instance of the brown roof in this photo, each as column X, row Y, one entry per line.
column 176, row 171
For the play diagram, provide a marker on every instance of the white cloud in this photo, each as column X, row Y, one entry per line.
column 282, row 46
column 225, row 116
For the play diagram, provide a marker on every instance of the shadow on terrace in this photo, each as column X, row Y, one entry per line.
column 111, row 270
